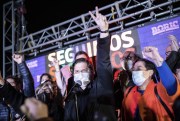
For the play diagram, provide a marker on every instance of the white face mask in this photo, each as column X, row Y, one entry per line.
column 138, row 78
column 83, row 77
column 129, row 64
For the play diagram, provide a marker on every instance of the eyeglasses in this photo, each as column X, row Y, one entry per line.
column 82, row 71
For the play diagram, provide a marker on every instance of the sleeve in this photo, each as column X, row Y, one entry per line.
column 28, row 82
column 103, row 68
column 60, row 83
column 167, row 78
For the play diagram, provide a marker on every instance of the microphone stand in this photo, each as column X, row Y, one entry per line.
column 76, row 105
column 76, row 84
column 75, row 96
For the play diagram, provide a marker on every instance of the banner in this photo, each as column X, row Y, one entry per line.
column 155, row 34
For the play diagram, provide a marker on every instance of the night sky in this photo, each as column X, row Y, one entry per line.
column 44, row 13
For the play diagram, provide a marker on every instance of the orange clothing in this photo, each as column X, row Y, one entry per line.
column 150, row 108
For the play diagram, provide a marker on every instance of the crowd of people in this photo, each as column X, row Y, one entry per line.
column 144, row 90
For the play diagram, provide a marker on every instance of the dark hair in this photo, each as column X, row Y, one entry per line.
column 81, row 53
column 177, row 66
column 11, row 77
column 135, row 58
column 17, row 80
column 45, row 74
column 150, row 66
column 89, row 65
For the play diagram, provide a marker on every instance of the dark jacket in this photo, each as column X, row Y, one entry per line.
column 16, row 99
column 6, row 111
column 96, row 102
column 28, row 82
column 173, row 60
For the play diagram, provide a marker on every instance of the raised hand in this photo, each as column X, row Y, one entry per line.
column 100, row 20
column 55, row 63
column 153, row 54
column 66, row 72
column 34, row 109
column 174, row 43
column 18, row 58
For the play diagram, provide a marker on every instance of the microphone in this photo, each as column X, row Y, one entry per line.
column 78, row 83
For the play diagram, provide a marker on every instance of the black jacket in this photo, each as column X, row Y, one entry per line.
column 173, row 60
column 96, row 101
column 28, row 82
column 28, row 90
column 16, row 99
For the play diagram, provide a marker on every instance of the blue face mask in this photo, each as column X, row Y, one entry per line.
column 138, row 77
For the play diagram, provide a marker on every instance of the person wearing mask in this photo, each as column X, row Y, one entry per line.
column 91, row 98
column 63, row 76
column 150, row 101
column 125, row 77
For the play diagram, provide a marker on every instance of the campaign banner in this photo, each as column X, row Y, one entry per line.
column 37, row 67
column 120, row 42
column 157, row 34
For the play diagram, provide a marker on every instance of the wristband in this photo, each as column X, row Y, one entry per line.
column 106, row 31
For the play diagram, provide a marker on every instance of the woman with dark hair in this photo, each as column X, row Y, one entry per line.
column 45, row 77
column 48, row 93
column 150, row 101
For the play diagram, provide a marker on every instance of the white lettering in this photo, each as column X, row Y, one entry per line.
column 128, row 39
column 50, row 57
column 95, row 47
column 89, row 50
column 32, row 64
column 60, row 57
column 69, row 55
column 115, row 39
column 165, row 27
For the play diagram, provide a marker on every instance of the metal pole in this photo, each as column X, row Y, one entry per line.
column 13, row 38
column 4, row 56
